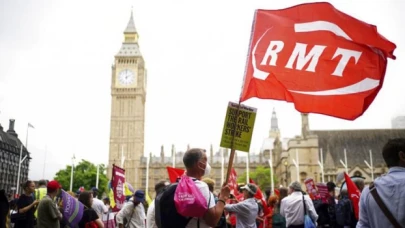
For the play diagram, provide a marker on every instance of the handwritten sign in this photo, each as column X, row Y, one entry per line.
column 238, row 123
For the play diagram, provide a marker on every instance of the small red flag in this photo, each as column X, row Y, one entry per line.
column 174, row 173
column 354, row 194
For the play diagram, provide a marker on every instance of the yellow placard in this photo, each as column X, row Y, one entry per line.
column 239, row 124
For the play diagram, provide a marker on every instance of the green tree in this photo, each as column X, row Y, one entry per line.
column 261, row 176
column 84, row 174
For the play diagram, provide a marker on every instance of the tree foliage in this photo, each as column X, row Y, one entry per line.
column 261, row 176
column 84, row 174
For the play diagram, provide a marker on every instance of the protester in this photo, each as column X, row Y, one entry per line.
column 247, row 210
column 27, row 205
column 97, row 204
column 195, row 161
column 4, row 210
column 389, row 187
column 40, row 192
column 292, row 207
column 133, row 211
column 150, row 217
column 272, row 205
column 344, row 211
column 48, row 214
column 89, row 214
column 211, row 185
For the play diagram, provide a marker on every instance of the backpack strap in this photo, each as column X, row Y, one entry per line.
column 305, row 208
column 383, row 207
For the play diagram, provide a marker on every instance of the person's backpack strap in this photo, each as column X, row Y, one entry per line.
column 305, row 208
column 383, row 207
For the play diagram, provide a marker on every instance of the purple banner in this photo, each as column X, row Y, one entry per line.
column 72, row 209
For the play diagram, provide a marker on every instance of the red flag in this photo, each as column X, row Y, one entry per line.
column 117, row 184
column 354, row 194
column 233, row 185
column 251, row 181
column 277, row 192
column 174, row 173
column 321, row 59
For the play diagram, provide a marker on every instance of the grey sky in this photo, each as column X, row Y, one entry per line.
column 55, row 72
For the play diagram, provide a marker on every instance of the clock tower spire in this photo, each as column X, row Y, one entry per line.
column 128, row 96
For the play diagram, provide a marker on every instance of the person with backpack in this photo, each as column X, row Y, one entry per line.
column 150, row 215
column 344, row 211
column 166, row 214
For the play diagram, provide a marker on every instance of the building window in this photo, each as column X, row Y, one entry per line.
column 303, row 176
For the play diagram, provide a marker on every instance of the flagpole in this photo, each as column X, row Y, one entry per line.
column 19, row 170
column 147, row 175
column 372, row 167
column 346, row 162
column 271, row 173
column 247, row 169
column 98, row 175
column 297, row 164
column 71, row 172
column 174, row 156
column 222, row 165
column 321, row 166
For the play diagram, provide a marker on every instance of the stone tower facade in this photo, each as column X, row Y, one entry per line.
column 128, row 96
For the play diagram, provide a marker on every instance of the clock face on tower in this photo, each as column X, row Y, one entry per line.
column 126, row 77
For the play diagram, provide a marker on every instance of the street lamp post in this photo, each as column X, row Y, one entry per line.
column 286, row 174
column 71, row 172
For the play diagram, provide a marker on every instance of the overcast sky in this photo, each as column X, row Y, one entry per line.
column 55, row 72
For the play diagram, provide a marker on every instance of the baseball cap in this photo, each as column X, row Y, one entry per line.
column 53, row 185
column 94, row 189
column 250, row 188
column 139, row 195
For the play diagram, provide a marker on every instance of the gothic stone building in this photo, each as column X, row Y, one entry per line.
column 357, row 144
column 10, row 147
column 158, row 172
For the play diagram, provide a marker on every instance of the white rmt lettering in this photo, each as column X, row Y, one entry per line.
column 302, row 59
column 346, row 55
column 277, row 45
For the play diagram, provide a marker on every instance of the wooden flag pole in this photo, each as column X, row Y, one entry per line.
column 230, row 162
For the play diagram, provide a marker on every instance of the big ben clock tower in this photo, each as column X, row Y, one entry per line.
column 128, row 95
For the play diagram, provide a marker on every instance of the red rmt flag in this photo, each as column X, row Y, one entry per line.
column 317, row 57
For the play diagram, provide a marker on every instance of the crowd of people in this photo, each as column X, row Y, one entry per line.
column 291, row 207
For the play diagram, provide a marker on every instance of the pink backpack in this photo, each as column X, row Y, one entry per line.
column 188, row 199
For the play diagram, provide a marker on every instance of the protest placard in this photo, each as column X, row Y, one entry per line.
column 239, row 124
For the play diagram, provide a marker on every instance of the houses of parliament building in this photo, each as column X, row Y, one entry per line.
column 128, row 96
